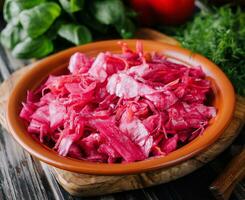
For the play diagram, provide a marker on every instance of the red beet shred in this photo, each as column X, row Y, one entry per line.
column 119, row 107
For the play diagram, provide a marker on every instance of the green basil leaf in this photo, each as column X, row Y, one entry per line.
column 37, row 20
column 11, row 35
column 52, row 32
column 72, row 6
column 88, row 20
column 33, row 48
column 108, row 11
column 126, row 29
column 12, row 8
column 76, row 34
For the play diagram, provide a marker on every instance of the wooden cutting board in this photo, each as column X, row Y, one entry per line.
column 91, row 185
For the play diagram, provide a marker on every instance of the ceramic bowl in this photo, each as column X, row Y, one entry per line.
column 224, row 101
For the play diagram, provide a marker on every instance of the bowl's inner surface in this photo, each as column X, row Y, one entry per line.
column 57, row 64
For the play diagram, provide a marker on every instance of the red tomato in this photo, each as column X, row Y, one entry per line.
column 144, row 10
column 172, row 11
column 163, row 11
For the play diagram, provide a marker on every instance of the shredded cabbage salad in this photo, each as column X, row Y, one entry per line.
column 118, row 108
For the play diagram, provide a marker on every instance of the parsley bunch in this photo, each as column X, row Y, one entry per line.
column 218, row 34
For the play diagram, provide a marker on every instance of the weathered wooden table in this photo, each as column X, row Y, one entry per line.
column 23, row 177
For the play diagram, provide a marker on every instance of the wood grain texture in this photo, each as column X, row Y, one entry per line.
column 5, row 89
column 20, row 177
column 35, row 178
column 85, row 185
column 90, row 185
column 223, row 186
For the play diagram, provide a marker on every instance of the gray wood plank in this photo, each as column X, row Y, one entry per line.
column 150, row 194
column 5, row 65
column 8, row 66
column 54, row 186
column 239, row 192
column 1, row 78
column 15, row 64
column 4, row 72
column 19, row 177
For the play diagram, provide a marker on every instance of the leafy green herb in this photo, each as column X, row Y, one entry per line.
column 37, row 20
column 89, row 20
column 108, row 11
column 61, row 23
column 218, row 34
column 72, row 6
column 52, row 32
column 12, row 35
column 126, row 29
column 12, row 8
column 33, row 48
column 76, row 34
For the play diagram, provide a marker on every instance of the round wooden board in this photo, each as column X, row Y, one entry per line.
column 91, row 185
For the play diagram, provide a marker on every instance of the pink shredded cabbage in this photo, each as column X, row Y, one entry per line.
column 120, row 107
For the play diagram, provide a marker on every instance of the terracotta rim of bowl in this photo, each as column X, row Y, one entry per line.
column 224, row 101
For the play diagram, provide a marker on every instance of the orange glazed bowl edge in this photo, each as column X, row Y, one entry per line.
column 224, row 101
